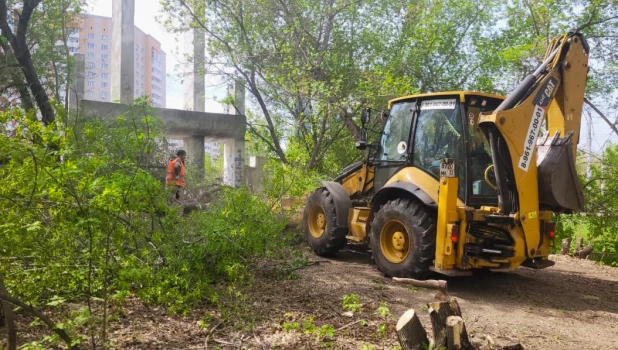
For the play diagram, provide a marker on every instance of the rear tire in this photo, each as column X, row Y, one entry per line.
column 320, row 224
column 403, row 238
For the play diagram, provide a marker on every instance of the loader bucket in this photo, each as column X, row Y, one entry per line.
column 559, row 187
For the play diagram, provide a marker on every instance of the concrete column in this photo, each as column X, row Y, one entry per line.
column 194, row 89
column 123, row 54
column 76, row 87
column 194, row 84
column 234, row 149
column 194, row 146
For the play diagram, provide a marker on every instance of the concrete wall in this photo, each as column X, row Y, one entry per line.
column 178, row 123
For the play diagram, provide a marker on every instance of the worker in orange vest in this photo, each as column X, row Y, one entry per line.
column 176, row 176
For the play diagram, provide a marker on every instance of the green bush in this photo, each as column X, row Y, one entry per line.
column 84, row 217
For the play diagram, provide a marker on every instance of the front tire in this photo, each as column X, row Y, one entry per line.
column 403, row 238
column 320, row 224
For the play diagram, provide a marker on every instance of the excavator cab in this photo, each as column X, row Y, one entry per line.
column 422, row 129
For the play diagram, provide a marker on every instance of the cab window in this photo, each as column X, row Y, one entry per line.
column 394, row 142
column 439, row 134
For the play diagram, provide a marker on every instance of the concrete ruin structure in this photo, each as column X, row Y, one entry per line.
column 194, row 125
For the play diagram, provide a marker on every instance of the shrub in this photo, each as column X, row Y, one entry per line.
column 85, row 216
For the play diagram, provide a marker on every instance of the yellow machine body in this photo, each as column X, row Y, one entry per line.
column 534, row 175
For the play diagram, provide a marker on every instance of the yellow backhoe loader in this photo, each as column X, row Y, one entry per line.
column 462, row 180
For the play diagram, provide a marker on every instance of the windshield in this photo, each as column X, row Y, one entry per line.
column 396, row 133
column 439, row 134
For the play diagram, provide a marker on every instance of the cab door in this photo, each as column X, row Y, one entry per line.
column 394, row 150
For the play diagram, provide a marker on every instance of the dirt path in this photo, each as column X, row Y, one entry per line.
column 572, row 305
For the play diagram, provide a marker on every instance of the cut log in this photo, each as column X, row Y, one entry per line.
column 410, row 332
column 584, row 252
column 439, row 285
column 456, row 335
column 566, row 246
column 429, row 284
column 439, row 312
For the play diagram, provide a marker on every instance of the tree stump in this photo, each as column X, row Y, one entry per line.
column 439, row 312
column 456, row 334
column 410, row 332
column 566, row 246
column 578, row 245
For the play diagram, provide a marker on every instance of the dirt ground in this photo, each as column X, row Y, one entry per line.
column 572, row 305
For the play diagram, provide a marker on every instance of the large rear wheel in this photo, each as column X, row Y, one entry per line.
column 403, row 238
column 320, row 224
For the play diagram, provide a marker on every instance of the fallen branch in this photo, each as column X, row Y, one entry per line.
column 439, row 285
column 347, row 325
column 311, row 263
column 224, row 342
column 50, row 324
column 585, row 252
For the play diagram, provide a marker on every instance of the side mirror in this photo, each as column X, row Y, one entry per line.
column 365, row 116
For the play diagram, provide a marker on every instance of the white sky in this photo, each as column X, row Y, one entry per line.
column 146, row 12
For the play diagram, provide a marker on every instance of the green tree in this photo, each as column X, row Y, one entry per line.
column 33, row 39
column 602, row 202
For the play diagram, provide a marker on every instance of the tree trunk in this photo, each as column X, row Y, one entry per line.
column 410, row 332
column 456, row 335
column 351, row 125
column 439, row 312
column 22, row 54
column 7, row 308
column 566, row 246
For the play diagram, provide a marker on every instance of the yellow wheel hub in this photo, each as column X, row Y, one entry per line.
column 317, row 221
column 394, row 241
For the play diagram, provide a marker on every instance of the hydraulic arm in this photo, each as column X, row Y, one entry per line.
column 553, row 96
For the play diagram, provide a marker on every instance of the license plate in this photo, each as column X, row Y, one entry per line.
column 447, row 169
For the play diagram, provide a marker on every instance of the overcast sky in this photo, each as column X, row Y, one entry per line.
column 146, row 12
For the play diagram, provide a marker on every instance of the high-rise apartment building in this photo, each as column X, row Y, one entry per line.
column 94, row 42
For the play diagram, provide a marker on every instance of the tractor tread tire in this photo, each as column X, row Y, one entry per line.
column 334, row 237
column 420, row 223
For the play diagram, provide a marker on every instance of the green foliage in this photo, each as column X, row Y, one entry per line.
column 88, row 220
column 285, row 180
column 383, row 311
column 599, row 223
column 73, row 325
column 351, row 302
column 309, row 328
column 291, row 326
column 381, row 330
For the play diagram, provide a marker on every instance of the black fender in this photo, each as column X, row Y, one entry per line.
column 343, row 203
column 394, row 190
